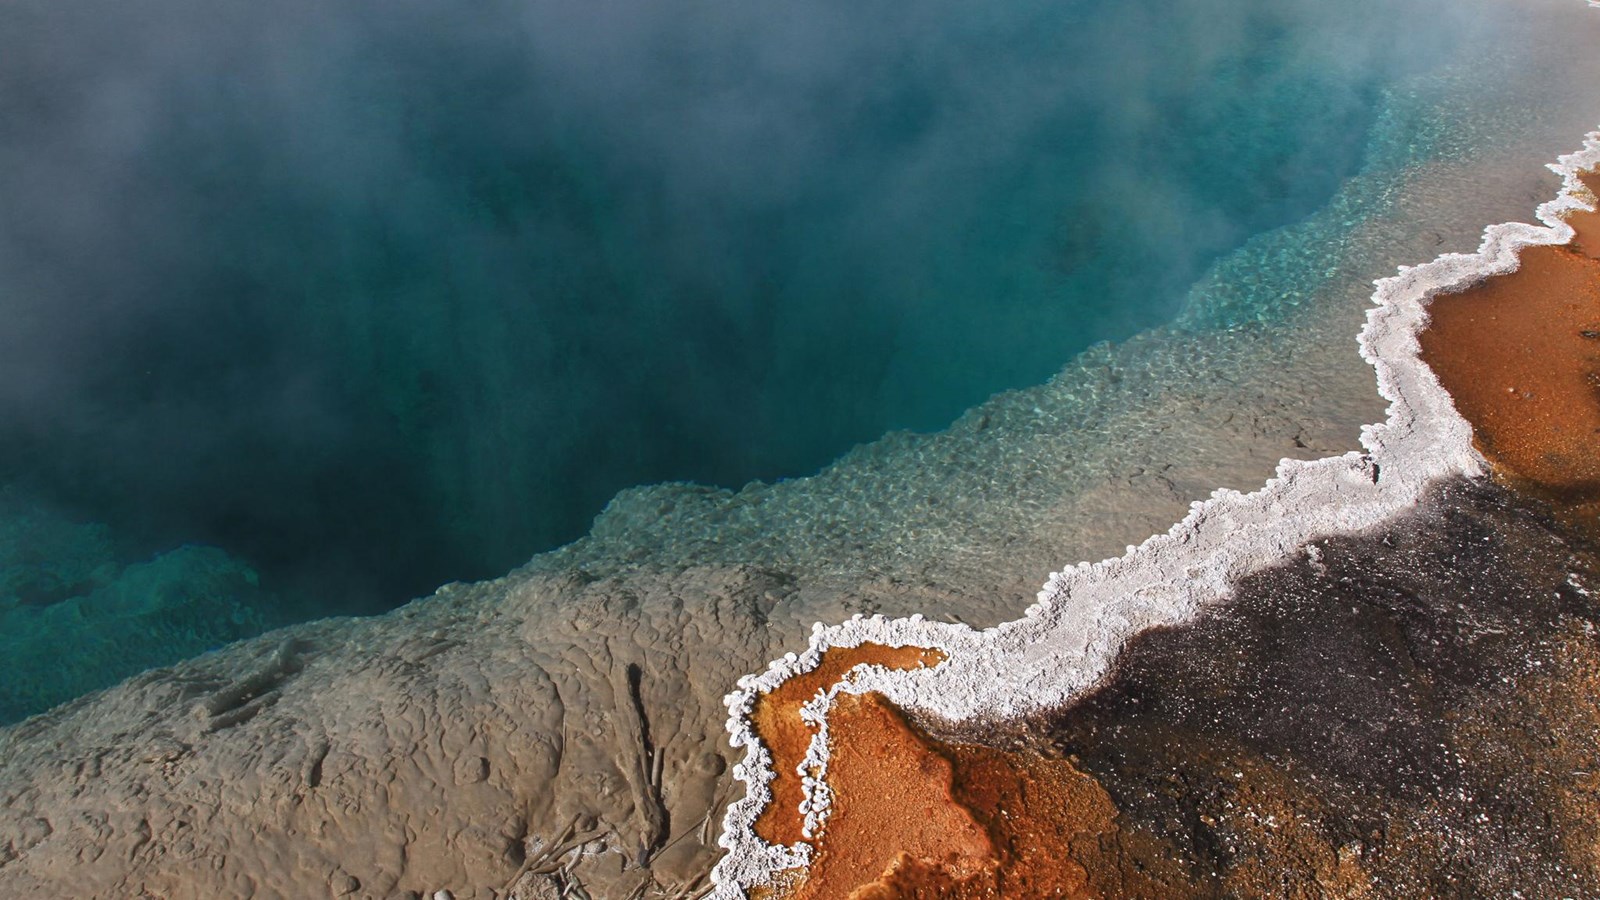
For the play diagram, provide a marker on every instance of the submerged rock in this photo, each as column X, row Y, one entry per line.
column 76, row 617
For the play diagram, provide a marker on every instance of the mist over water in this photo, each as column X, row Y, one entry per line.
column 378, row 295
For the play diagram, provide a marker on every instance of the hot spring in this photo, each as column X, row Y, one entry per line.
column 308, row 308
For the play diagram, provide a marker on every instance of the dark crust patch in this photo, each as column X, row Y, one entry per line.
column 1410, row 712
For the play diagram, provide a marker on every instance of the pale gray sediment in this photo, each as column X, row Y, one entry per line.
column 565, row 723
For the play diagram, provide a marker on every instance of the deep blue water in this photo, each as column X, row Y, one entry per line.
column 378, row 295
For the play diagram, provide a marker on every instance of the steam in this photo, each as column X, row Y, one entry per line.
column 381, row 294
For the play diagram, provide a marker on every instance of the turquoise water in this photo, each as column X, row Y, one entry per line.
column 368, row 297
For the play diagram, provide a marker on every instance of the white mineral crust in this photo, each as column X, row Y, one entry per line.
column 1067, row 641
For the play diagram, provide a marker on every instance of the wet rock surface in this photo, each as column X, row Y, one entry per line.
column 1411, row 712
column 455, row 744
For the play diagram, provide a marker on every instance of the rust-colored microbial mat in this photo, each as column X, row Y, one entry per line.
column 916, row 817
column 1520, row 355
column 892, row 805
column 777, row 722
